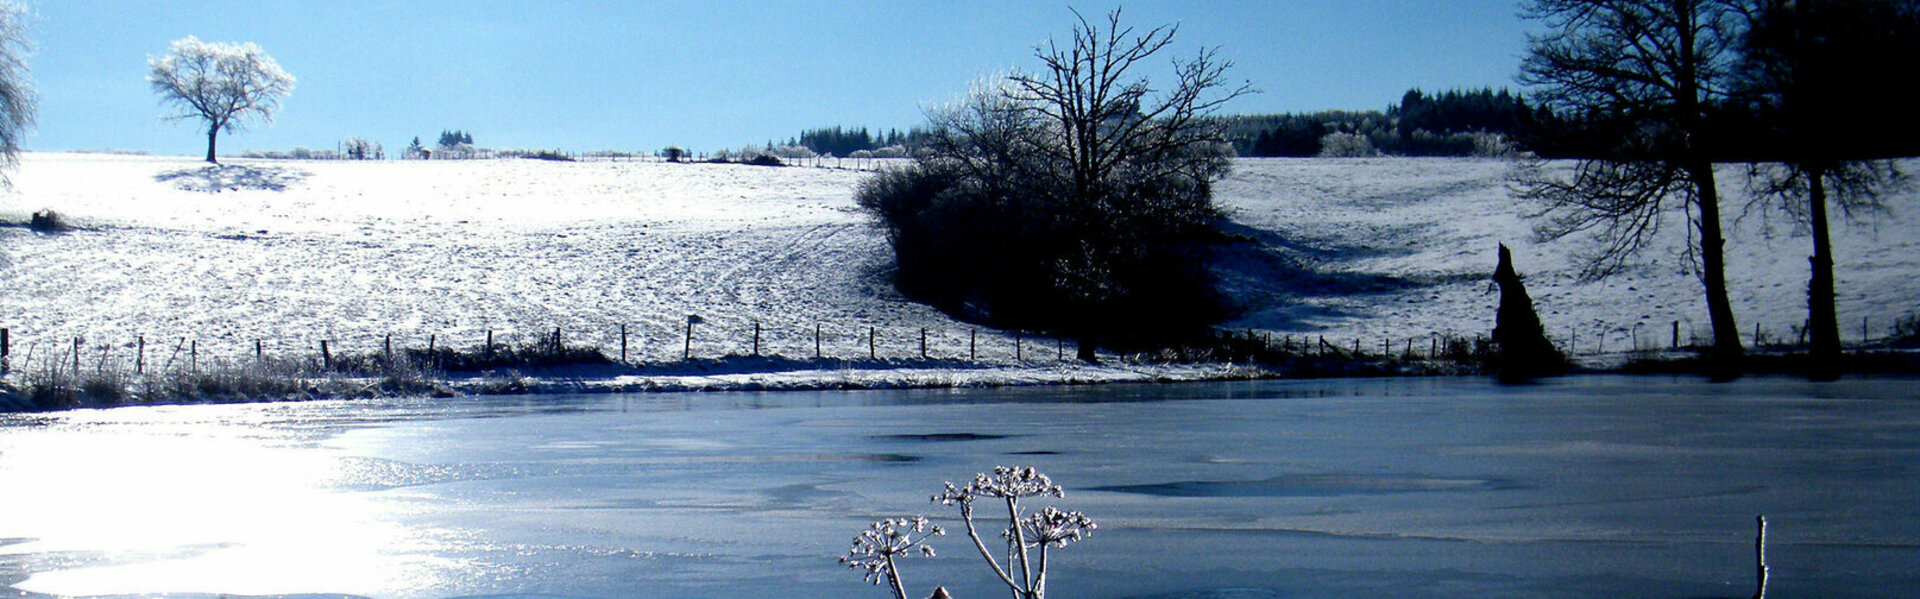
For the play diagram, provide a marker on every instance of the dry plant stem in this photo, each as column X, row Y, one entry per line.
column 1020, row 541
column 1040, row 584
column 966, row 515
column 1760, row 557
column 893, row 576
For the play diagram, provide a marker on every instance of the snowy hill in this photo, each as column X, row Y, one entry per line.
column 290, row 253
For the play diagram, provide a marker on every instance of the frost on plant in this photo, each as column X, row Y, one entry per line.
column 1055, row 527
column 875, row 549
column 1029, row 537
column 1005, row 482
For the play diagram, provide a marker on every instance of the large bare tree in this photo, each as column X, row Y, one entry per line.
column 1829, row 120
column 223, row 84
column 1108, row 130
column 1648, row 72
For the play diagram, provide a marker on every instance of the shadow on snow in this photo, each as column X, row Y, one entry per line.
column 231, row 177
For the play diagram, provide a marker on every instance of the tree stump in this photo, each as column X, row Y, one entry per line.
column 1522, row 349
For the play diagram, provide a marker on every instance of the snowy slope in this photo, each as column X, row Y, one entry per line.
column 1406, row 248
column 294, row 252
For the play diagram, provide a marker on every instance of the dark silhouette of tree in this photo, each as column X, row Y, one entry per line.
column 1648, row 73
column 220, row 83
column 1828, row 114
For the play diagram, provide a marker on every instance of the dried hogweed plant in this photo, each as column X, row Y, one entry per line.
column 1029, row 537
column 875, row 549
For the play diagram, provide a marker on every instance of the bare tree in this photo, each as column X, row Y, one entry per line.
column 1076, row 199
column 1829, row 120
column 17, row 99
column 1649, row 72
column 1108, row 133
column 223, row 84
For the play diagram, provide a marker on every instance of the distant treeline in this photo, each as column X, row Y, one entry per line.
column 1450, row 123
column 1482, row 122
column 844, row 142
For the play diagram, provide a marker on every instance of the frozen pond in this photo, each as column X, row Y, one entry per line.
column 1584, row 487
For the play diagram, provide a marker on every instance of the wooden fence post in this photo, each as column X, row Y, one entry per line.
column 488, row 352
column 816, row 341
column 686, row 351
column 623, row 343
column 76, row 357
column 433, row 359
column 1059, row 349
column 756, row 339
column 326, row 357
column 1017, row 357
column 140, row 355
column 1676, row 335
column 193, row 357
column 386, row 348
column 872, row 352
column 923, row 343
column 6, row 351
column 258, row 355
column 973, row 344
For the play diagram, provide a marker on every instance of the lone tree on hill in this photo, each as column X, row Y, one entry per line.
column 1647, row 73
column 16, row 93
column 1077, row 199
column 221, row 83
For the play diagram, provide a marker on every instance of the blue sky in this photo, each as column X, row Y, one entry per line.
column 640, row 75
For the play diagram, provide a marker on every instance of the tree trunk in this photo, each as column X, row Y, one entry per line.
column 1821, row 317
column 1726, row 349
column 211, row 132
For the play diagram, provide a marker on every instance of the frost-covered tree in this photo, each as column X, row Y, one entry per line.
column 17, row 98
column 223, row 84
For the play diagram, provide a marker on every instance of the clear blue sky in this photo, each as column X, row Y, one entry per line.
column 639, row 75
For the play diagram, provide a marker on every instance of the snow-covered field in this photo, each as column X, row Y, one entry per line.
column 291, row 253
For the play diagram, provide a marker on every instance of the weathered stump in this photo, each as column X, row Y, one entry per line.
column 1522, row 349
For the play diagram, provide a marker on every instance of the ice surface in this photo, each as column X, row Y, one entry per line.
column 1582, row 487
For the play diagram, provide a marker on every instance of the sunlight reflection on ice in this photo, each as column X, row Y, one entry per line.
column 222, row 511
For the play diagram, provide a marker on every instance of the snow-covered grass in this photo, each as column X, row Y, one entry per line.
column 1404, row 247
column 292, row 253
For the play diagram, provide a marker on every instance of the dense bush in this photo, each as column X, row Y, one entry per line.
column 1070, row 200
column 1001, row 249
